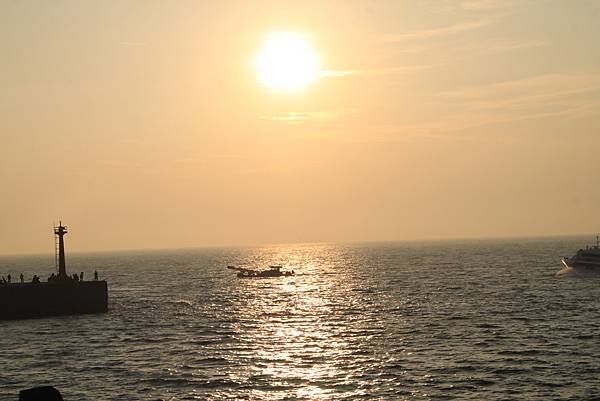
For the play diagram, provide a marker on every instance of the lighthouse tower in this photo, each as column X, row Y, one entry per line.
column 60, row 231
column 60, row 295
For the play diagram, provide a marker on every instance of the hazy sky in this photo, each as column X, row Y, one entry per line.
column 141, row 124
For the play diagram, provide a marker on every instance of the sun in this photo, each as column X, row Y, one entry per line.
column 287, row 62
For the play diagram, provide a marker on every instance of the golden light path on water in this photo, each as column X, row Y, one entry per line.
column 404, row 321
column 288, row 337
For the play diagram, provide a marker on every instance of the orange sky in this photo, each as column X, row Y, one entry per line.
column 141, row 124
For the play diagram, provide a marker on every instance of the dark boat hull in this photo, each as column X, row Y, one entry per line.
column 264, row 275
column 29, row 300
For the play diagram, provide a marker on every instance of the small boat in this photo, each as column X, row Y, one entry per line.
column 273, row 271
column 588, row 258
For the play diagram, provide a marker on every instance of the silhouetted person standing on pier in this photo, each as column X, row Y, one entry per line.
column 8, row 277
column 22, row 278
column 81, row 276
column 95, row 275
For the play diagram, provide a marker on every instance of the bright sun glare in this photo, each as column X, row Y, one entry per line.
column 287, row 62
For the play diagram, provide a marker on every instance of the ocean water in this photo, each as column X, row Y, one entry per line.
column 479, row 320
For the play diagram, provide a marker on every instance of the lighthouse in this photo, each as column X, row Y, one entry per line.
column 60, row 232
column 60, row 295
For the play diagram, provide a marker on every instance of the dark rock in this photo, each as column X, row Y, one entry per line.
column 46, row 393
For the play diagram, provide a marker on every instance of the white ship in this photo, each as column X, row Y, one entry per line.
column 588, row 258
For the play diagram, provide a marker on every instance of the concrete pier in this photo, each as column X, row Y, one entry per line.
column 27, row 300
column 60, row 295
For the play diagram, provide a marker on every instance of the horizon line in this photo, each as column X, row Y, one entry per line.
column 316, row 242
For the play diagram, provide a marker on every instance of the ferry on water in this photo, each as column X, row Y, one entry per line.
column 588, row 258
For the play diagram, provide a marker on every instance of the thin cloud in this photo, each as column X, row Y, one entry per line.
column 434, row 32
column 539, row 84
column 339, row 73
column 377, row 71
column 484, row 4
column 299, row 116
column 187, row 161
column 543, row 97
column 118, row 163
column 133, row 44
column 508, row 45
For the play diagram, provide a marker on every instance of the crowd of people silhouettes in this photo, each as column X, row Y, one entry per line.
column 53, row 277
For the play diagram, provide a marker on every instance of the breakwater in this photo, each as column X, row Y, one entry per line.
column 26, row 300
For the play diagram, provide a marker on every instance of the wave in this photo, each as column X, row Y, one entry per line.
column 577, row 272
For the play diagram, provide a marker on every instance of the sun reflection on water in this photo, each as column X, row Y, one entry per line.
column 294, row 326
column 388, row 322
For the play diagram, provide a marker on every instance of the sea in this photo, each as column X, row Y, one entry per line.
column 439, row 320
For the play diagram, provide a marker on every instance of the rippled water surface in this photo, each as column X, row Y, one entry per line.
column 485, row 320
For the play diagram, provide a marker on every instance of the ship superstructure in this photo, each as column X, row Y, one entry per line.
column 588, row 258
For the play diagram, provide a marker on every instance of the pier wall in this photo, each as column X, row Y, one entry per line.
column 25, row 300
